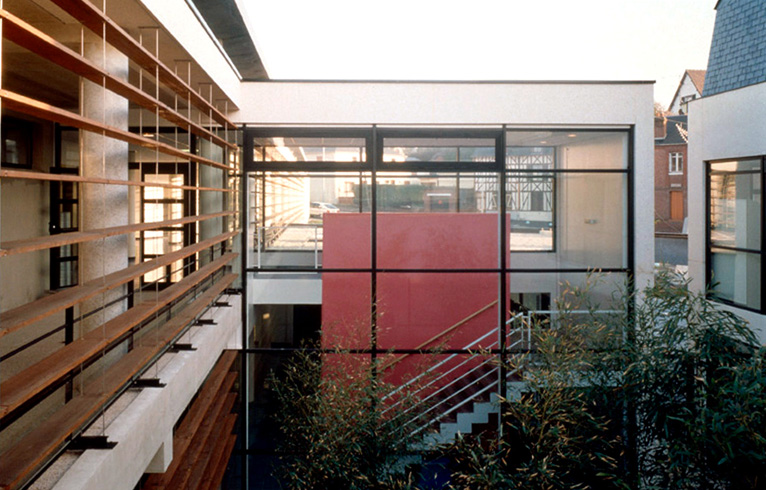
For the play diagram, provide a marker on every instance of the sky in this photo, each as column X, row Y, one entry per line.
column 484, row 39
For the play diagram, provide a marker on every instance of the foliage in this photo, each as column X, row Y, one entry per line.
column 667, row 393
column 338, row 432
column 694, row 378
column 555, row 435
column 671, row 395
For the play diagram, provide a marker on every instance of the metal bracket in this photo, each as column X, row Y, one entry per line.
column 82, row 443
column 221, row 304
column 148, row 383
column 202, row 321
column 178, row 347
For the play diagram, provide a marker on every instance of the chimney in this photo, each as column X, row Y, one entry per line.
column 660, row 127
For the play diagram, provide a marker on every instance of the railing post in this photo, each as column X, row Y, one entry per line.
column 260, row 244
column 68, row 339
column 316, row 246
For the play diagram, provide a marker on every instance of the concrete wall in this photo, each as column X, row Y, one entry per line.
column 727, row 125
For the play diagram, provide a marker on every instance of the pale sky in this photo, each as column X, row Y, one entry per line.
column 484, row 39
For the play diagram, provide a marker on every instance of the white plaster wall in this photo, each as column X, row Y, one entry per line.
column 687, row 88
column 522, row 104
column 176, row 17
column 727, row 125
column 283, row 290
column 142, row 428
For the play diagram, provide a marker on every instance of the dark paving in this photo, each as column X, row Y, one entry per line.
column 671, row 250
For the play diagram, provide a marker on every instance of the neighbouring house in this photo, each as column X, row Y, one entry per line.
column 171, row 219
column 691, row 87
column 727, row 164
column 670, row 175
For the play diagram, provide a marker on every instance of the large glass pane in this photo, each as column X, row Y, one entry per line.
column 430, row 310
column 300, row 213
column 439, row 150
column 588, row 226
column 736, row 166
column 530, row 200
column 736, row 277
column 547, row 292
column 735, row 210
column 573, row 149
column 306, row 149
column 437, row 221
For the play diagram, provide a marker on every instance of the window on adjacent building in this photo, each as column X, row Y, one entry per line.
column 734, row 270
column 676, row 163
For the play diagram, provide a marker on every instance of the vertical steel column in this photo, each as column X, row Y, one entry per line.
column 502, row 245
column 244, row 375
column 373, row 154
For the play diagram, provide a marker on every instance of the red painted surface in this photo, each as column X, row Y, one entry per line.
column 413, row 307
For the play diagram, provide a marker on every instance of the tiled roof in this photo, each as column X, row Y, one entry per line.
column 738, row 50
column 698, row 79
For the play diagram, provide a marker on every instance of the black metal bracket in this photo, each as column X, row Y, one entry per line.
column 221, row 304
column 178, row 347
column 148, row 383
column 202, row 321
column 82, row 443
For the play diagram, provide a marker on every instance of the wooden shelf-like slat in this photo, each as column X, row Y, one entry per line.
column 20, row 462
column 219, row 380
column 214, row 444
column 27, row 36
column 22, row 387
column 32, row 107
column 29, row 175
column 21, row 316
column 95, row 20
column 202, row 438
column 51, row 241
column 213, row 480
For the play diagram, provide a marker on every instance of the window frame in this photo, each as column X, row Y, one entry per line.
column 678, row 162
column 709, row 245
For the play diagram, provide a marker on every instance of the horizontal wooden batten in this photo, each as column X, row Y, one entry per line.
column 21, row 316
column 27, row 36
column 219, row 382
column 21, row 461
column 95, row 20
column 36, row 108
column 21, row 387
column 51, row 241
column 25, row 174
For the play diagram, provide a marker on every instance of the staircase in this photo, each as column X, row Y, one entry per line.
column 459, row 393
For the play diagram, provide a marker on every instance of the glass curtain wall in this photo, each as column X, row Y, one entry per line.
column 431, row 243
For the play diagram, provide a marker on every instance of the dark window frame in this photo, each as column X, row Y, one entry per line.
column 709, row 245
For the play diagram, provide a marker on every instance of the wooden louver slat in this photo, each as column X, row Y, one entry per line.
column 32, row 107
column 27, row 36
column 23, row 386
column 95, row 20
column 20, row 462
column 26, row 174
column 21, row 316
column 46, row 242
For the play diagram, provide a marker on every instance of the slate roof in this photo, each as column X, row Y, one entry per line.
column 676, row 127
column 738, row 50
